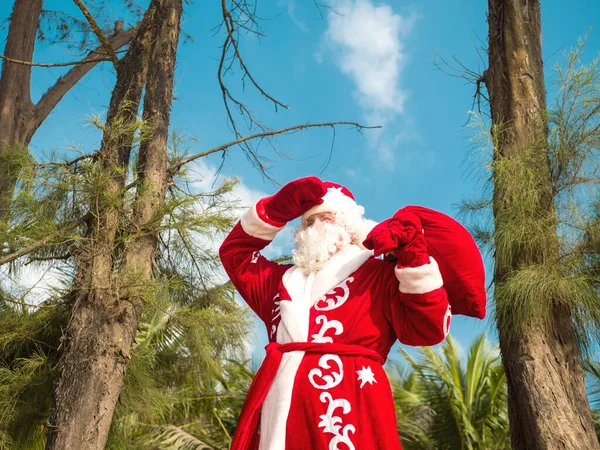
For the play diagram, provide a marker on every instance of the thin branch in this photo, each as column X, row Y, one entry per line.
column 173, row 168
column 49, row 258
column 98, row 31
column 70, row 163
column 245, row 19
column 67, row 64
column 64, row 84
column 230, row 25
column 31, row 305
column 460, row 70
column 241, row 140
column 324, row 6
column 48, row 240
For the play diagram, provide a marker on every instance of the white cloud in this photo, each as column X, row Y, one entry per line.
column 366, row 39
column 367, row 43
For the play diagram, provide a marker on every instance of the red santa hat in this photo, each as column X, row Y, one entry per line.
column 337, row 199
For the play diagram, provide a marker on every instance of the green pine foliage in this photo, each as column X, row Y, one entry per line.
column 557, row 247
column 188, row 375
column 28, row 356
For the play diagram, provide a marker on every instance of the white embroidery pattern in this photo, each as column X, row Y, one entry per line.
column 333, row 424
column 330, row 423
column 330, row 380
column 366, row 375
column 336, row 325
column 447, row 318
column 275, row 314
column 331, row 303
column 255, row 257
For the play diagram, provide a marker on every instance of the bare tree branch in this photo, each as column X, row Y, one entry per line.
column 98, row 31
column 53, row 95
column 242, row 16
column 230, row 25
column 173, row 168
column 459, row 70
column 73, row 63
column 324, row 6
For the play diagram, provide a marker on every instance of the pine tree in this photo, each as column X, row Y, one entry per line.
column 542, row 170
column 19, row 117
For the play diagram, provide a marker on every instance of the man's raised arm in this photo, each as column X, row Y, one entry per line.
column 419, row 310
column 255, row 277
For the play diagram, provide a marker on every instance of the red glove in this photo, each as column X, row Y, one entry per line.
column 292, row 200
column 401, row 235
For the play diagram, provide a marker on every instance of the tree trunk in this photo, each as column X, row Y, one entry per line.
column 19, row 117
column 109, row 303
column 15, row 100
column 548, row 406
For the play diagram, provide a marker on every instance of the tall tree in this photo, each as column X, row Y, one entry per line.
column 535, row 308
column 103, row 325
column 19, row 117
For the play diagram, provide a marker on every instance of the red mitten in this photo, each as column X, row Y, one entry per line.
column 292, row 200
column 401, row 235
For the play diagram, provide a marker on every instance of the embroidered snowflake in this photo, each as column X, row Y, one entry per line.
column 366, row 375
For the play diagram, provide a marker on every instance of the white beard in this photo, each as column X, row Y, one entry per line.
column 317, row 244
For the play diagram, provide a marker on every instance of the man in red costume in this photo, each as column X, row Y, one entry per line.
column 331, row 317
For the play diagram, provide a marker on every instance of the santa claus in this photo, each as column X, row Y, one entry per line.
column 331, row 317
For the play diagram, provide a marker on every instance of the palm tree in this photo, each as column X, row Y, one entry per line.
column 414, row 417
column 445, row 405
column 184, row 387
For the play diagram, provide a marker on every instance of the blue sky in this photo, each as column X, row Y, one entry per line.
column 373, row 64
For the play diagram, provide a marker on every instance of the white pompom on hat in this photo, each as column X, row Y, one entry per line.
column 337, row 199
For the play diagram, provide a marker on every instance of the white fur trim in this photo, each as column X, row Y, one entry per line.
column 366, row 227
column 447, row 319
column 295, row 313
column 304, row 292
column 420, row 280
column 333, row 201
column 339, row 267
column 256, row 227
column 276, row 407
column 292, row 328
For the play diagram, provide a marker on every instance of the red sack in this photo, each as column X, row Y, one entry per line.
column 459, row 259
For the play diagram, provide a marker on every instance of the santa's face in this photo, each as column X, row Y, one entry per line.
column 318, row 240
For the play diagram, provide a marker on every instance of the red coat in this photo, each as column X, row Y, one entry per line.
column 337, row 397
